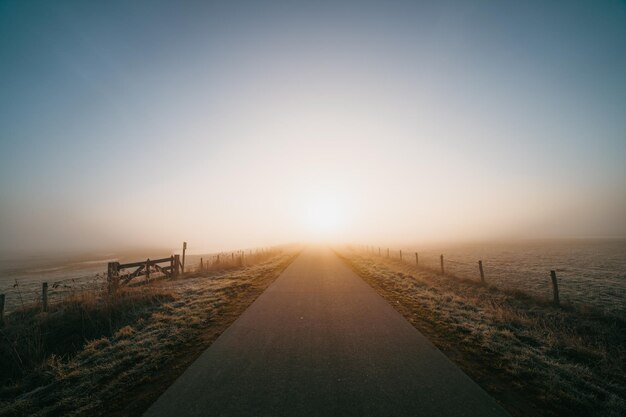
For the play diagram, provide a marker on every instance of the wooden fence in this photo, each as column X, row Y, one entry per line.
column 119, row 274
column 170, row 267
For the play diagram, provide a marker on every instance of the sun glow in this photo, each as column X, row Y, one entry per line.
column 324, row 217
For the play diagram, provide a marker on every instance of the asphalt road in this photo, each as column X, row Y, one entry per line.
column 321, row 342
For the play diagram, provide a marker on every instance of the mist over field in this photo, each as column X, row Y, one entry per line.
column 313, row 208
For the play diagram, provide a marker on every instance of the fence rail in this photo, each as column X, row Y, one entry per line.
column 116, row 276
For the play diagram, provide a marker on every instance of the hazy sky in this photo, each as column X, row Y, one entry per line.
column 236, row 124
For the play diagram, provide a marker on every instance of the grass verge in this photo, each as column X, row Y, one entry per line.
column 535, row 358
column 99, row 356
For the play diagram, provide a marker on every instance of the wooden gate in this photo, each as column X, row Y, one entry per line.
column 116, row 276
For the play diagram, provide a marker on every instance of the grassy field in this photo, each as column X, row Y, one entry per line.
column 535, row 358
column 97, row 355
column 590, row 272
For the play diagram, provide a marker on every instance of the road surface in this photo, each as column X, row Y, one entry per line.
column 321, row 342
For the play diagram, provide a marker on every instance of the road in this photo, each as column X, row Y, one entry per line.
column 321, row 342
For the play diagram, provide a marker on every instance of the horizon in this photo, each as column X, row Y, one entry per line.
column 136, row 252
column 247, row 124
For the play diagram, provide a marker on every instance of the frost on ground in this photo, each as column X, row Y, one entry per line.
column 147, row 337
column 536, row 359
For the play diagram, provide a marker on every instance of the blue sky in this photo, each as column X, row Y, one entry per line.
column 398, row 119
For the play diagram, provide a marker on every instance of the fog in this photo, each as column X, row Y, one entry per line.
column 246, row 124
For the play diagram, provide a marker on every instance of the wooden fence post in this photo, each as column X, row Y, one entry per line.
column 417, row 259
column 379, row 251
column 400, row 254
column 148, row 269
column 172, row 271
column 441, row 258
column 182, row 268
column 201, row 265
column 2, row 310
column 44, row 296
column 177, row 267
column 482, row 273
column 555, row 287
column 113, row 276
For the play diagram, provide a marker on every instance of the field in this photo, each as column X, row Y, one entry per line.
column 98, row 355
column 21, row 278
column 591, row 272
column 535, row 358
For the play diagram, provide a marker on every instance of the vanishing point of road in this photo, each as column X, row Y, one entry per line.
column 321, row 342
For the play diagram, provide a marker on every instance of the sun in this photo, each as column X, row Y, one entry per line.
column 324, row 217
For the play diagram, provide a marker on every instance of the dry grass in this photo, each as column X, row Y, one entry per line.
column 32, row 336
column 104, row 356
column 536, row 359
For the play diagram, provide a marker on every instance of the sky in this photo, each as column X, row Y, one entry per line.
column 241, row 124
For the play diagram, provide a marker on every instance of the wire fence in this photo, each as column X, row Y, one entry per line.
column 27, row 294
column 225, row 260
column 579, row 280
column 41, row 291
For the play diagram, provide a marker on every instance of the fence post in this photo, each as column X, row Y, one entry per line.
column 177, row 267
column 555, row 287
column 201, row 265
column 2, row 310
column 482, row 273
column 44, row 296
column 183, row 264
column 113, row 276
column 441, row 258
column 379, row 251
column 148, row 269
column 417, row 259
column 400, row 254
column 172, row 271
